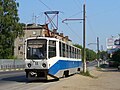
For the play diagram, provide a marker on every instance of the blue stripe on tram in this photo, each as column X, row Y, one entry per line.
column 64, row 64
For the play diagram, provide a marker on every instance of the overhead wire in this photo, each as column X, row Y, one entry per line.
column 87, row 19
column 75, row 14
column 45, row 5
column 73, row 32
column 77, row 3
column 90, row 28
column 76, row 35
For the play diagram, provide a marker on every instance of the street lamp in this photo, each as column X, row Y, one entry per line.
column 98, row 51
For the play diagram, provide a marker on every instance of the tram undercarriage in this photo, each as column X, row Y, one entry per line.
column 39, row 74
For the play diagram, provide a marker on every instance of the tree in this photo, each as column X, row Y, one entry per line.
column 90, row 55
column 116, row 57
column 77, row 45
column 103, row 55
column 10, row 28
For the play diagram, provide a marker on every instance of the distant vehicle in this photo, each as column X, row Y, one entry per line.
column 46, row 56
column 113, row 64
column 87, row 62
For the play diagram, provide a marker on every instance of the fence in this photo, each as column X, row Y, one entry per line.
column 11, row 64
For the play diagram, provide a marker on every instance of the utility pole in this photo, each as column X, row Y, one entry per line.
column 98, row 51
column 84, row 40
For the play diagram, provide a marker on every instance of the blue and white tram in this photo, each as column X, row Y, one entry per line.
column 50, row 57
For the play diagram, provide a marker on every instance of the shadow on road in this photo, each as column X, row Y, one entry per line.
column 42, row 81
column 24, row 79
column 15, row 78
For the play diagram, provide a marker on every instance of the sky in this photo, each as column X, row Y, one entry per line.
column 102, row 18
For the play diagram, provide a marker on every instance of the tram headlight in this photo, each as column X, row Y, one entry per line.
column 29, row 65
column 44, row 65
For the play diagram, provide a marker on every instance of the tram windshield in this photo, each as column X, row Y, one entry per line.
column 36, row 49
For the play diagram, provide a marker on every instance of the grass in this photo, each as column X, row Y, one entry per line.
column 98, row 68
column 101, row 66
column 87, row 74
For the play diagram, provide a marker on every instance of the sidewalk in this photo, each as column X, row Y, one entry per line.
column 16, row 69
column 106, row 79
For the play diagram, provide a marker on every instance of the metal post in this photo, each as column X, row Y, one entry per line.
column 84, row 53
column 98, row 52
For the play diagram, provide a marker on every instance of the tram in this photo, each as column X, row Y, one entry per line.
column 50, row 57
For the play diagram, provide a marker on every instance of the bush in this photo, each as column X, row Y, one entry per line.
column 87, row 74
column 115, row 60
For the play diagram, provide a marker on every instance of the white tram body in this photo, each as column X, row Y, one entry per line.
column 50, row 57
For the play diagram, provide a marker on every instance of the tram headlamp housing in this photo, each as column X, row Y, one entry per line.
column 44, row 65
column 29, row 65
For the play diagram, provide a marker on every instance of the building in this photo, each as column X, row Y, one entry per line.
column 113, row 44
column 33, row 30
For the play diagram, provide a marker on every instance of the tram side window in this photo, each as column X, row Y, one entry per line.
column 70, row 52
column 75, row 53
column 67, row 51
column 63, row 49
column 52, row 49
column 79, row 54
column 60, row 49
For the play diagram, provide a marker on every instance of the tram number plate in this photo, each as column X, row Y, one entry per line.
column 36, row 63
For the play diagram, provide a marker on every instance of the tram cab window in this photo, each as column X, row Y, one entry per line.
column 36, row 49
column 52, row 49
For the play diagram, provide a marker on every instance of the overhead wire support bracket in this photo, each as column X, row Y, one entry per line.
column 71, row 19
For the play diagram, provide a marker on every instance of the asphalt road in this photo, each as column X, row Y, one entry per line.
column 92, row 63
column 16, row 80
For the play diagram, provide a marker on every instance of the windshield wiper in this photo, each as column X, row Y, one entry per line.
column 32, row 60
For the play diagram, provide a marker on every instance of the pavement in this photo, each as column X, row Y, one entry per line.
column 104, row 79
column 16, row 69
